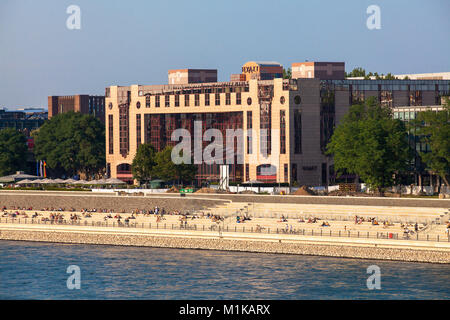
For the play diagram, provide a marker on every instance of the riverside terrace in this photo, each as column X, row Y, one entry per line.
column 422, row 224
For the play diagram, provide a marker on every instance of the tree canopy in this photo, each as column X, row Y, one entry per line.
column 360, row 72
column 287, row 73
column 167, row 170
column 371, row 144
column 433, row 128
column 13, row 151
column 71, row 143
column 143, row 163
column 149, row 164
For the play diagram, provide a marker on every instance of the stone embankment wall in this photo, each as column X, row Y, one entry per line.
column 279, row 247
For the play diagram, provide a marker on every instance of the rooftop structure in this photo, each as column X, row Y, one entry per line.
column 86, row 104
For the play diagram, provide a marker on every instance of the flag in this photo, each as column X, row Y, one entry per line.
column 45, row 171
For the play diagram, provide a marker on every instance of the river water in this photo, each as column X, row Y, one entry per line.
column 33, row 270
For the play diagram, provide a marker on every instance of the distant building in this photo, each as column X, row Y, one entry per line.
column 86, row 104
column 319, row 70
column 407, row 114
column 185, row 76
column 21, row 120
column 414, row 76
column 425, row 76
column 261, row 70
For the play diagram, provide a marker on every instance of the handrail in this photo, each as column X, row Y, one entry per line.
column 226, row 228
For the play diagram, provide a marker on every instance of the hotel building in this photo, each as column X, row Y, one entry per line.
column 299, row 116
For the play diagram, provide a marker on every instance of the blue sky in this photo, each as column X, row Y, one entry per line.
column 136, row 42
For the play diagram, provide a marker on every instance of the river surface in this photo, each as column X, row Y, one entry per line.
column 34, row 270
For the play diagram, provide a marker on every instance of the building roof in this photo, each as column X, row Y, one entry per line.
column 267, row 63
column 19, row 175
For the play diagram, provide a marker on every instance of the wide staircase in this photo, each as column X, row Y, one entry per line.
column 283, row 217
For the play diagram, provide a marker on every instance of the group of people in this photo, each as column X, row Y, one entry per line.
column 241, row 219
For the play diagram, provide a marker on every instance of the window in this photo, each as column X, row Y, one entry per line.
column 167, row 101
column 186, row 100
column 297, row 99
column 386, row 99
column 247, row 172
column 206, row 99
column 110, row 134
column 286, row 172
column 227, row 98
column 197, row 100
column 157, row 101
column 249, row 132
column 357, row 97
column 238, row 98
column 217, row 99
column 138, row 130
column 294, row 176
column 138, row 105
column 249, row 101
column 282, row 131
column 123, row 130
column 177, row 100
column 415, row 98
column 297, row 132
column 147, row 101
column 110, row 105
column 265, row 125
column 282, row 100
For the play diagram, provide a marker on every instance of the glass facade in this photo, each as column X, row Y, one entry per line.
column 158, row 129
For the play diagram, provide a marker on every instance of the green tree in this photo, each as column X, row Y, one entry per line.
column 360, row 72
column 13, row 151
column 143, row 163
column 356, row 72
column 390, row 76
column 371, row 144
column 287, row 74
column 71, row 143
column 165, row 169
column 433, row 128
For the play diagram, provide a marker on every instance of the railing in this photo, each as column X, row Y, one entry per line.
column 222, row 228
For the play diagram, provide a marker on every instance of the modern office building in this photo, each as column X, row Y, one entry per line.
column 86, row 104
column 286, row 123
column 25, row 120
column 407, row 114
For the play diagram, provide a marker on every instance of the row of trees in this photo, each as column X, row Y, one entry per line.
column 373, row 145
column 13, row 151
column 360, row 72
column 70, row 143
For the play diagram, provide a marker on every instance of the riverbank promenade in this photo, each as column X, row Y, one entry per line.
column 408, row 233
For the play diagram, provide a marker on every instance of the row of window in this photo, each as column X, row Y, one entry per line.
column 207, row 102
